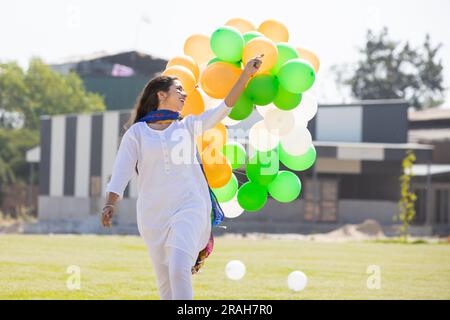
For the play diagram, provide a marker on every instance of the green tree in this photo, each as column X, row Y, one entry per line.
column 24, row 97
column 407, row 210
column 389, row 69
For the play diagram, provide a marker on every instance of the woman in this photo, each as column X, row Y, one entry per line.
column 174, row 202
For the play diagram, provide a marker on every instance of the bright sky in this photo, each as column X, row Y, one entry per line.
column 57, row 30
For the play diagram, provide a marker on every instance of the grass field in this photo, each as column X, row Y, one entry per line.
column 118, row 267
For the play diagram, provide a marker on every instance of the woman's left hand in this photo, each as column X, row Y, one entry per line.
column 253, row 65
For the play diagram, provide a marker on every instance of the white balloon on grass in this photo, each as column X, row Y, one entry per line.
column 279, row 122
column 297, row 141
column 261, row 139
column 307, row 108
column 231, row 209
column 297, row 281
column 235, row 270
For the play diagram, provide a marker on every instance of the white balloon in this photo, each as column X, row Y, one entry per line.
column 263, row 109
column 230, row 122
column 235, row 270
column 307, row 108
column 297, row 141
column 231, row 209
column 297, row 281
column 279, row 122
column 261, row 139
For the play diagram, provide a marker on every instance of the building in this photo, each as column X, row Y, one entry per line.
column 432, row 127
column 119, row 78
column 360, row 149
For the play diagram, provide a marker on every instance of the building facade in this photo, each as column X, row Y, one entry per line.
column 360, row 148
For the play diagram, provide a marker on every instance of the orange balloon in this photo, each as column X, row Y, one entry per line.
column 258, row 46
column 185, row 75
column 194, row 104
column 241, row 24
column 217, row 168
column 218, row 78
column 197, row 46
column 185, row 61
column 309, row 56
column 274, row 30
column 213, row 138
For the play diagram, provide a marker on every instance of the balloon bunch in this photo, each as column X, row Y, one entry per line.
column 208, row 70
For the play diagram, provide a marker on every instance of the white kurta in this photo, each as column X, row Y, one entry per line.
column 173, row 204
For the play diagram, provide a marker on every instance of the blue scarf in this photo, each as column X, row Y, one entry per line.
column 217, row 214
column 160, row 115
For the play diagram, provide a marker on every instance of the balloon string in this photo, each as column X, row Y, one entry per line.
column 242, row 174
column 239, row 172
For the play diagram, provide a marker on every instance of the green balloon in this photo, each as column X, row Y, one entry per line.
column 286, row 100
column 243, row 108
column 285, row 53
column 216, row 59
column 227, row 192
column 286, row 187
column 262, row 89
column 227, row 44
column 251, row 35
column 298, row 163
column 252, row 196
column 263, row 167
column 235, row 153
column 296, row 75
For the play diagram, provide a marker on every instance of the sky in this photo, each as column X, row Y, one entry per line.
column 57, row 30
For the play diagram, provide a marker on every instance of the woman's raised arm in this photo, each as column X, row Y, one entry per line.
column 209, row 118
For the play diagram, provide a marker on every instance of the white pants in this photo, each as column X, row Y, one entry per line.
column 175, row 279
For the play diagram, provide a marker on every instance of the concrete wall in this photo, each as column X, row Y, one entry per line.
column 356, row 211
column 81, row 215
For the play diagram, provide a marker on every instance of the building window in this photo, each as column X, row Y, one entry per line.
column 420, row 205
column 369, row 187
column 321, row 200
column 442, row 206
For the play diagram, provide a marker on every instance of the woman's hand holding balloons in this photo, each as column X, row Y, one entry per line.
column 253, row 65
column 229, row 65
column 250, row 69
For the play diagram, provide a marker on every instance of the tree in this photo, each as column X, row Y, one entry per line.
column 41, row 91
column 390, row 69
column 407, row 210
column 24, row 97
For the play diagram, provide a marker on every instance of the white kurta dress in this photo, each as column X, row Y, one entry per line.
column 173, row 204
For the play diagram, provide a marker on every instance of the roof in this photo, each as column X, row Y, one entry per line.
column 418, row 135
column 374, row 102
column 372, row 151
column 405, row 146
column 98, row 55
column 422, row 169
column 103, row 64
column 429, row 114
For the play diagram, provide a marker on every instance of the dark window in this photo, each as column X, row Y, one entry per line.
column 321, row 200
column 442, row 206
column 420, row 206
column 369, row 187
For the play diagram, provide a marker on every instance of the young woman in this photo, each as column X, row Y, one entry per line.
column 174, row 202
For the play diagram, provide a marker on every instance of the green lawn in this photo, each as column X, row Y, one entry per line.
column 118, row 267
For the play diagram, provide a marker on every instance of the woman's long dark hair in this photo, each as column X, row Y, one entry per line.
column 148, row 99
